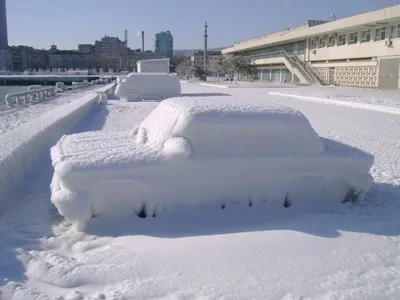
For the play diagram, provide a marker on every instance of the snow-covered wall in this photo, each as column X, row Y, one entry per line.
column 78, row 85
column 20, row 147
column 149, row 86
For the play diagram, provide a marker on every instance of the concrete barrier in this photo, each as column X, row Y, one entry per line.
column 34, row 87
column 108, row 89
column 21, row 147
column 78, row 85
column 29, row 96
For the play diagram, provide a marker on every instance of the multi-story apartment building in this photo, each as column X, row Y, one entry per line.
column 198, row 58
column 71, row 59
column 110, row 47
column 27, row 58
column 163, row 42
column 86, row 48
column 361, row 50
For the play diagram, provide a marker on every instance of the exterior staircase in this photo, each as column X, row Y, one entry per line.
column 308, row 68
column 292, row 62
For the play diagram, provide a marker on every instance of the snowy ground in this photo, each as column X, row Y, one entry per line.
column 346, row 94
column 238, row 253
column 11, row 118
column 357, row 95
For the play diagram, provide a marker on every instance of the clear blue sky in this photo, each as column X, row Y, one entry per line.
column 70, row 22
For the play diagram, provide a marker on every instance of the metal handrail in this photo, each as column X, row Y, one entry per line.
column 304, row 67
column 293, row 59
column 309, row 68
column 268, row 54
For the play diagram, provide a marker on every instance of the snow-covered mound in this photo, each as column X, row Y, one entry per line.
column 153, row 86
column 204, row 151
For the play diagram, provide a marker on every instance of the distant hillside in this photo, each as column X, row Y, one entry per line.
column 189, row 52
column 184, row 52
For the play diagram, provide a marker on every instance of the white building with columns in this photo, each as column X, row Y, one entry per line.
column 361, row 50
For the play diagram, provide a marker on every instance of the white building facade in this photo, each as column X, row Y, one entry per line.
column 198, row 58
column 362, row 50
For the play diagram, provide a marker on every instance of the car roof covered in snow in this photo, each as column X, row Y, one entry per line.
column 228, row 105
column 221, row 126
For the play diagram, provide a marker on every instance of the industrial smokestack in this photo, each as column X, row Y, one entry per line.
column 142, row 32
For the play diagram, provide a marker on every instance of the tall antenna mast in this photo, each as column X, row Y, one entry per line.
column 142, row 34
column 205, row 47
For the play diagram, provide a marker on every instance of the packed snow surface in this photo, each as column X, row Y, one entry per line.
column 350, row 95
column 242, row 252
column 257, row 151
column 139, row 86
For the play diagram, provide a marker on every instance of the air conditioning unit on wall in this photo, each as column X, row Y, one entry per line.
column 313, row 51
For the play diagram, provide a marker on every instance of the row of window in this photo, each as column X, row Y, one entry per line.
column 365, row 37
column 298, row 47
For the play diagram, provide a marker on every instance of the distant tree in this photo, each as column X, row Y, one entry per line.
column 249, row 69
column 238, row 64
column 216, row 68
column 185, row 69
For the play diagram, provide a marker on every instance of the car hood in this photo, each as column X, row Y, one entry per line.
column 93, row 150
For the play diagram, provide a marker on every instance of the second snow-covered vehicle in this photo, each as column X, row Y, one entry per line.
column 205, row 151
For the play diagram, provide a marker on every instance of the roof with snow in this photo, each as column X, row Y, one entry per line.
column 228, row 105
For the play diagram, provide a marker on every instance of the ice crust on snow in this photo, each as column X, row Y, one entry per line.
column 149, row 86
column 202, row 151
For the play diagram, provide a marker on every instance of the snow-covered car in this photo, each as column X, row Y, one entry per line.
column 192, row 151
column 148, row 86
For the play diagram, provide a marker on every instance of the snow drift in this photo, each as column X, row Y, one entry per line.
column 148, row 86
column 204, row 151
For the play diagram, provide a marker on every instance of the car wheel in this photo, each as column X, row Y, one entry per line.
column 119, row 197
column 316, row 192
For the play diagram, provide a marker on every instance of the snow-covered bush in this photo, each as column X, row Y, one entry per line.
column 204, row 151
